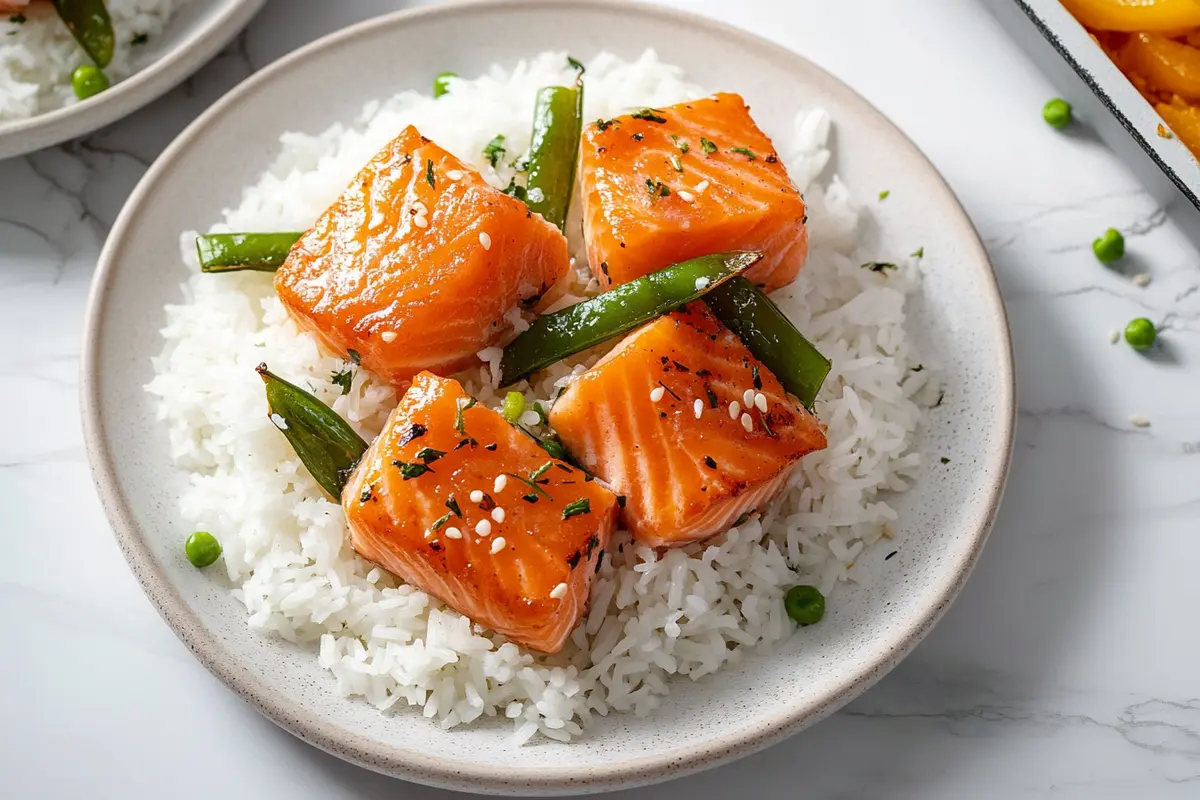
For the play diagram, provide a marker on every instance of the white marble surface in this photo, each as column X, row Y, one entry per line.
column 1068, row 667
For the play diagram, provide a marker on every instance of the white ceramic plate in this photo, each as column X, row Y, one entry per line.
column 958, row 315
column 191, row 38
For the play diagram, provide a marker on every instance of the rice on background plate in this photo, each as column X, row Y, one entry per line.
column 689, row 611
column 38, row 53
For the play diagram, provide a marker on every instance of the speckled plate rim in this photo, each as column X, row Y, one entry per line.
column 410, row 765
column 144, row 86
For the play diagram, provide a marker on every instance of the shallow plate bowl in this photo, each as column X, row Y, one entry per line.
column 958, row 316
column 191, row 38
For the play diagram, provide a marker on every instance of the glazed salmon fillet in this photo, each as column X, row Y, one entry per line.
column 653, row 419
column 665, row 185
column 418, row 263
column 456, row 501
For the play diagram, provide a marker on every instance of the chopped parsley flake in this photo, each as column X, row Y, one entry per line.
column 580, row 506
column 343, row 378
column 529, row 498
column 710, row 462
column 452, row 504
column 637, row 137
column 879, row 266
column 429, row 172
column 140, row 38
column 366, row 494
column 576, row 65
column 649, row 115
column 17, row 19
column 355, row 358
column 676, row 163
column 657, row 189
column 495, row 149
column 415, row 432
column 515, row 189
column 410, row 471
column 440, row 522
column 884, row 194
column 918, row 253
column 682, row 144
column 707, row 146
column 428, row 455
column 605, row 124
column 540, row 410
column 745, row 151
column 459, row 408
column 712, row 397
column 757, row 378
column 945, row 460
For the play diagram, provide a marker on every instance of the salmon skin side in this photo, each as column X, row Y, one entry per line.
column 419, row 264
column 653, row 419
column 664, row 185
column 519, row 556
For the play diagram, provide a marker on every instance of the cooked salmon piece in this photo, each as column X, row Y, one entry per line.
column 665, row 185
column 419, row 264
column 682, row 420
column 456, row 501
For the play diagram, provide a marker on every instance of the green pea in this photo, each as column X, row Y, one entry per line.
column 514, row 406
column 804, row 604
column 1110, row 247
column 202, row 548
column 441, row 83
column 88, row 80
column 1057, row 113
column 1140, row 333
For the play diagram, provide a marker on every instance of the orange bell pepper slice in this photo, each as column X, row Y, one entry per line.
column 1131, row 16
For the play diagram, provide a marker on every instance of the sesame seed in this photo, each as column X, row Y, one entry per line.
column 701, row 186
column 1139, row 420
column 748, row 398
column 657, row 393
column 485, row 240
column 1141, row 279
column 454, row 174
column 734, row 409
column 421, row 221
column 498, row 514
column 499, row 484
column 760, row 402
column 476, row 496
column 1114, row 336
column 686, row 196
column 559, row 592
column 453, row 533
column 279, row 421
column 428, row 533
column 420, row 208
column 747, row 423
column 388, row 336
column 702, row 284
column 698, row 407
column 498, row 544
column 483, row 527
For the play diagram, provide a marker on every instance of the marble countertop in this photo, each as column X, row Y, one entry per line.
column 1067, row 668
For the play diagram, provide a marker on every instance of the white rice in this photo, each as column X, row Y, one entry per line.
column 688, row 612
column 37, row 56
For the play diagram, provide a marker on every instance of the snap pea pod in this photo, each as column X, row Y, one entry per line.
column 325, row 443
column 89, row 23
column 554, row 150
column 771, row 336
column 553, row 337
column 230, row 252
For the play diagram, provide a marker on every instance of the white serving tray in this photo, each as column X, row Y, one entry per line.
column 1101, row 96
